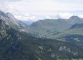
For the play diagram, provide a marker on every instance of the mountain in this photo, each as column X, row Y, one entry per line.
column 75, row 19
column 77, row 26
column 69, row 30
column 12, row 21
column 50, row 24
column 52, row 28
column 44, row 28
column 15, row 45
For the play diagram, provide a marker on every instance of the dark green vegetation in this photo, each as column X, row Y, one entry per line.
column 15, row 45
column 74, row 34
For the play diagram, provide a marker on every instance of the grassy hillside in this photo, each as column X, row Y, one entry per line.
column 43, row 28
column 53, row 28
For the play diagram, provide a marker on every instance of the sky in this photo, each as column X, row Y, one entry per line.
column 33, row 10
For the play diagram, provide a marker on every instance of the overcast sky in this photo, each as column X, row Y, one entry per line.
column 41, row 9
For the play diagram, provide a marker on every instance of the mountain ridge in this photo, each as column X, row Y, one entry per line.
column 13, row 22
column 59, row 29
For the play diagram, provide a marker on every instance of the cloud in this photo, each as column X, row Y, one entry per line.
column 11, row 9
column 69, row 1
column 9, row 0
column 64, row 15
column 81, row 16
column 60, row 15
column 18, row 15
column 48, row 17
column 26, row 17
column 46, row 8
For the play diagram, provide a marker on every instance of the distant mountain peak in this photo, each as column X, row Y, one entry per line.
column 77, row 26
column 74, row 17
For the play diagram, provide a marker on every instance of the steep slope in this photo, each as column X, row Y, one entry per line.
column 74, row 38
column 74, row 34
column 77, row 26
column 18, row 46
column 13, row 22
